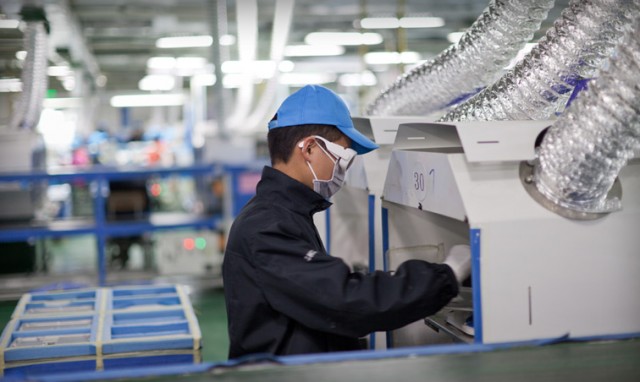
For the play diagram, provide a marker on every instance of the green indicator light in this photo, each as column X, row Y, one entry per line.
column 201, row 243
column 52, row 93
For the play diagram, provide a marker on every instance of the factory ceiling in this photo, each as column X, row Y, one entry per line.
column 111, row 41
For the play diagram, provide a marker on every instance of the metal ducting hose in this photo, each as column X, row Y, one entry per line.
column 583, row 152
column 34, row 73
column 579, row 43
column 476, row 61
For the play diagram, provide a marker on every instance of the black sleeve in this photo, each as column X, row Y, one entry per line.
column 324, row 295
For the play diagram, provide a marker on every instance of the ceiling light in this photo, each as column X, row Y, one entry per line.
column 161, row 63
column 404, row 22
column 379, row 23
column 59, row 71
column 147, row 100
column 236, row 80
column 68, row 83
column 260, row 69
column 365, row 78
column 21, row 55
column 208, row 79
column 343, row 38
column 227, row 40
column 184, row 42
column 9, row 23
column 286, row 66
column 301, row 79
column 313, row 50
column 62, row 103
column 421, row 22
column 10, row 85
column 157, row 82
column 454, row 37
column 385, row 58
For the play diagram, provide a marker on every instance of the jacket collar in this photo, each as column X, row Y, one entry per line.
column 280, row 188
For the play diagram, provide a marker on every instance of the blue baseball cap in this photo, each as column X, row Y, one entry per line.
column 315, row 104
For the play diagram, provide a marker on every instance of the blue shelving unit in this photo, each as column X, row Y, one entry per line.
column 98, row 177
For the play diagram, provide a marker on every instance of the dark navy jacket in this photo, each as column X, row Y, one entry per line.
column 286, row 295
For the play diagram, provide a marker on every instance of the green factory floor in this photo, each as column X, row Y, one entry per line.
column 212, row 317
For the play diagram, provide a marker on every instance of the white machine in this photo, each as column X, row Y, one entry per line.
column 354, row 231
column 535, row 273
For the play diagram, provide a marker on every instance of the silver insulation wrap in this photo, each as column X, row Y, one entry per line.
column 540, row 85
column 476, row 61
column 584, row 151
column 34, row 78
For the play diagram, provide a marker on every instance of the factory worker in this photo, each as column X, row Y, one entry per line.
column 284, row 293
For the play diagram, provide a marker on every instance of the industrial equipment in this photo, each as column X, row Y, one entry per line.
column 535, row 273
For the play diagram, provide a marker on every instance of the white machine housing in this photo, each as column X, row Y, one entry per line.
column 535, row 274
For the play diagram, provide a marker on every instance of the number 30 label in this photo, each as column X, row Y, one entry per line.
column 419, row 182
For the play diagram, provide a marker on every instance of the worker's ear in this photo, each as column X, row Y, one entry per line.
column 306, row 147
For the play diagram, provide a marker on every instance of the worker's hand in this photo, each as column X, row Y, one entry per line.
column 459, row 259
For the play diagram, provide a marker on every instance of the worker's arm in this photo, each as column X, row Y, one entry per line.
column 320, row 292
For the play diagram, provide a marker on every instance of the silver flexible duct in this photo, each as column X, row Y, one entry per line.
column 476, row 61
column 579, row 43
column 34, row 78
column 583, row 152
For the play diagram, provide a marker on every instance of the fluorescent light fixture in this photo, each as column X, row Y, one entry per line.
column 191, row 62
column 379, row 23
column 62, row 103
column 184, row 42
column 21, row 55
column 9, row 24
column 161, row 63
column 454, row 37
column 301, row 79
column 260, row 68
column 68, row 83
column 404, row 22
column 365, row 78
column 343, row 38
column 10, row 85
column 208, row 79
column 236, row 80
column 59, row 71
column 147, row 100
column 313, row 50
column 286, row 66
column 386, row 58
column 157, row 82
column 421, row 22
column 227, row 40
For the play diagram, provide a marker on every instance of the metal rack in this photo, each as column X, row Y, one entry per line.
column 98, row 178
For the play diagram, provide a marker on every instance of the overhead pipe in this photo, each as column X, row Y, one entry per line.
column 583, row 152
column 539, row 86
column 247, row 20
column 34, row 72
column 264, row 109
column 476, row 61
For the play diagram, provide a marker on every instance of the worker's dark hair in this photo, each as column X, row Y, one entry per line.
column 283, row 140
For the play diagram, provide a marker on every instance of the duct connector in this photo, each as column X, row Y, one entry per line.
column 463, row 69
column 34, row 73
column 583, row 152
column 570, row 54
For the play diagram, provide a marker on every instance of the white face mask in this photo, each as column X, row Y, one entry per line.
column 328, row 188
